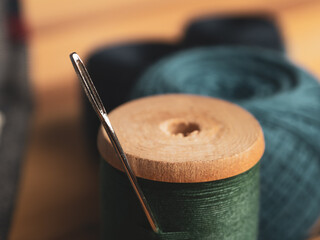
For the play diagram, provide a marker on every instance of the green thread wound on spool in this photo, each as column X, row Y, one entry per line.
column 223, row 209
column 197, row 163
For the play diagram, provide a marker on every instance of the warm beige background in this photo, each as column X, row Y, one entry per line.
column 58, row 196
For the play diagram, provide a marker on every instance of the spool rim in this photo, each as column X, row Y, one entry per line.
column 209, row 167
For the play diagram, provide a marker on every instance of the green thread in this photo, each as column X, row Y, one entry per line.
column 224, row 209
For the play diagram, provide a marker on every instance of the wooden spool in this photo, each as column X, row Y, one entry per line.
column 184, row 138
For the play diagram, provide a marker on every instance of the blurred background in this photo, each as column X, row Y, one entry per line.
column 56, row 186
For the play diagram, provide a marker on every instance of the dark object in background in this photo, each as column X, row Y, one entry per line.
column 259, row 31
column 115, row 69
column 14, row 108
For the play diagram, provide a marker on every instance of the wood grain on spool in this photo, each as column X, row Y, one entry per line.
column 184, row 138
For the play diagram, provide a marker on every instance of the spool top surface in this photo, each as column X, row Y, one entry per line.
column 184, row 138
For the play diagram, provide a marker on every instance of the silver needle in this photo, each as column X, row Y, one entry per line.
column 97, row 104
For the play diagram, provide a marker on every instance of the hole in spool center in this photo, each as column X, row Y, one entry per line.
column 178, row 127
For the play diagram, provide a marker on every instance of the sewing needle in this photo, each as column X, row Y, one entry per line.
column 98, row 106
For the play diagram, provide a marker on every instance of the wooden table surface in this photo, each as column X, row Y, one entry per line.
column 58, row 197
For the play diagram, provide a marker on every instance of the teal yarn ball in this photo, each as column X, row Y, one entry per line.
column 286, row 101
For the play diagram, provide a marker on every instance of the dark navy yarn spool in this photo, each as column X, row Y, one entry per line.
column 286, row 101
column 116, row 68
column 247, row 30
